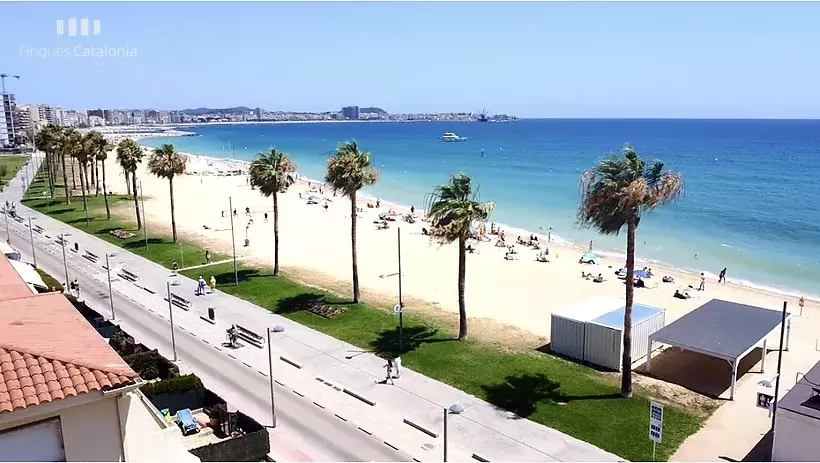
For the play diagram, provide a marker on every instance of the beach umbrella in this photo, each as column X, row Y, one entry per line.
column 642, row 274
column 590, row 256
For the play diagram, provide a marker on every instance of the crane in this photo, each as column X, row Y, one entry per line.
column 3, row 80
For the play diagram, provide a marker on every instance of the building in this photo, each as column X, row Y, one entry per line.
column 350, row 112
column 51, row 115
column 797, row 424
column 7, row 126
column 65, row 394
column 26, row 117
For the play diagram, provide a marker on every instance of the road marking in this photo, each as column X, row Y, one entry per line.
column 231, row 356
column 297, row 393
column 278, row 382
column 340, row 417
column 261, row 373
column 247, row 364
column 365, row 431
column 318, row 404
column 390, row 445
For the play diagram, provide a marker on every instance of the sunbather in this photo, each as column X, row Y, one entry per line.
column 599, row 279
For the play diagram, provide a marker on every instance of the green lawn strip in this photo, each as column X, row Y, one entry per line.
column 546, row 389
column 161, row 249
column 9, row 165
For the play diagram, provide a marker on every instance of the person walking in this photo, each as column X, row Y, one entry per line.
column 266, row 217
column 207, row 256
column 174, row 268
column 200, row 287
column 213, row 283
column 590, row 245
column 397, row 364
column 801, row 303
column 389, row 367
column 722, row 276
column 702, row 286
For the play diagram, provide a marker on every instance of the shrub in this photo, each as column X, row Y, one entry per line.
column 178, row 384
column 151, row 365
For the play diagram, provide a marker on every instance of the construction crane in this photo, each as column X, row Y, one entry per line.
column 3, row 80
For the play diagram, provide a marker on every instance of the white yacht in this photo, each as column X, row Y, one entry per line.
column 450, row 136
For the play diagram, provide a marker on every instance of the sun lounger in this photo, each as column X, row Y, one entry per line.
column 187, row 422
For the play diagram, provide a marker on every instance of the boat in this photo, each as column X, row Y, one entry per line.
column 450, row 136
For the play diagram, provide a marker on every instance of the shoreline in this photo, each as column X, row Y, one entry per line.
column 557, row 241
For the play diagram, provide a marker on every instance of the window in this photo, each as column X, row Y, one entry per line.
column 40, row 441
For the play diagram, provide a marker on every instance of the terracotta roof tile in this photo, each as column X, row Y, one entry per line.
column 48, row 351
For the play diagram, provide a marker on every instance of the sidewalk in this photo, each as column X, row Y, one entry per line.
column 318, row 366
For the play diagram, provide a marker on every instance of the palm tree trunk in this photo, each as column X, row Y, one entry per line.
column 83, row 187
column 87, row 185
column 73, row 175
column 462, row 274
column 275, row 234
column 356, row 294
column 136, row 202
column 97, row 178
column 626, row 361
column 173, row 219
column 105, row 193
column 127, row 183
column 65, row 179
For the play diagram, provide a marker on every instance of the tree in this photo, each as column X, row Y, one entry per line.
column 166, row 162
column 272, row 173
column 348, row 171
column 129, row 156
column 617, row 192
column 46, row 140
column 453, row 209
column 99, row 149
column 81, row 149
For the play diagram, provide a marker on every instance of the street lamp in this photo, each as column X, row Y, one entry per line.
column 233, row 241
column 31, row 235
column 400, row 307
column 144, row 223
column 110, row 291
column 275, row 329
column 65, row 264
column 171, row 315
column 455, row 409
column 6, row 213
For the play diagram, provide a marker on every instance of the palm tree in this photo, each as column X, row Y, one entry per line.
column 272, row 173
column 452, row 210
column 99, row 147
column 46, row 140
column 617, row 192
column 63, row 150
column 348, row 171
column 129, row 156
column 166, row 162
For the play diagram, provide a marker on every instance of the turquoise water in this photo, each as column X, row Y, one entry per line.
column 752, row 202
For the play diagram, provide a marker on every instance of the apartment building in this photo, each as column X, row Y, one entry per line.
column 7, row 128
column 65, row 394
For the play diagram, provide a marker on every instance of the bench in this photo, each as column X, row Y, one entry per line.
column 91, row 256
column 128, row 275
column 249, row 336
column 180, row 302
column 60, row 240
column 17, row 218
column 38, row 229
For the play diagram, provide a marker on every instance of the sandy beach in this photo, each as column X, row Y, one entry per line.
column 508, row 302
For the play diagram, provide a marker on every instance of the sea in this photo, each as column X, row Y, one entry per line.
column 751, row 204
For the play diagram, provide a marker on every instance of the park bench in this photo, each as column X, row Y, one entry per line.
column 180, row 302
column 249, row 336
column 91, row 256
column 128, row 275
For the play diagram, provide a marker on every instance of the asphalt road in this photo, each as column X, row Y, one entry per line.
column 303, row 432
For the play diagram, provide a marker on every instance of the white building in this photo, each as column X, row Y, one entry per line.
column 7, row 128
column 797, row 424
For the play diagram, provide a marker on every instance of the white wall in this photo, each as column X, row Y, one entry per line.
column 797, row 437
column 91, row 430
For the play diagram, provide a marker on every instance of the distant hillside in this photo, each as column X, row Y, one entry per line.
column 203, row 111
column 373, row 110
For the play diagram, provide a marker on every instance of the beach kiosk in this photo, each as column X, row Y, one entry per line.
column 593, row 331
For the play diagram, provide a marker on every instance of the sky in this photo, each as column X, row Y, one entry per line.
column 740, row 60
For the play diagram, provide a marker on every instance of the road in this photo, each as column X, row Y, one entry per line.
column 304, row 431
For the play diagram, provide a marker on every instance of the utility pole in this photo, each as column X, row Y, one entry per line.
column 65, row 264
column 777, row 379
column 171, row 314
column 144, row 223
column 110, row 291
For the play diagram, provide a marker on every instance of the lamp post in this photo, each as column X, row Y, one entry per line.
column 777, row 378
column 31, row 235
column 65, row 263
column 275, row 329
column 110, row 291
column 144, row 223
column 182, row 254
column 233, row 241
column 171, row 314
column 8, row 233
column 455, row 409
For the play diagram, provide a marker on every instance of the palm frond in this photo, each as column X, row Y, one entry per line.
column 350, row 169
column 452, row 209
column 272, row 172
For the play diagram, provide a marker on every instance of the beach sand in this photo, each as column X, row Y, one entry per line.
column 508, row 302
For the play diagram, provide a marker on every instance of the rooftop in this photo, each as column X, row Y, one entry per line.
column 804, row 398
column 48, row 351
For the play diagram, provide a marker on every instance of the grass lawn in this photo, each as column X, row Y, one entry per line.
column 161, row 249
column 546, row 389
column 9, row 165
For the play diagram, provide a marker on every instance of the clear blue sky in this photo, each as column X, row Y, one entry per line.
column 526, row 59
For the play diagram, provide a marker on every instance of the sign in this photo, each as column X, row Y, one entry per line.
column 398, row 309
column 655, row 422
column 764, row 400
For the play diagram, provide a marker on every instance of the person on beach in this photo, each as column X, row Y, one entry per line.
column 801, row 303
column 378, row 202
column 590, row 245
column 722, row 276
column 412, row 209
column 234, row 212
column 702, row 286
column 266, row 217
column 247, row 211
